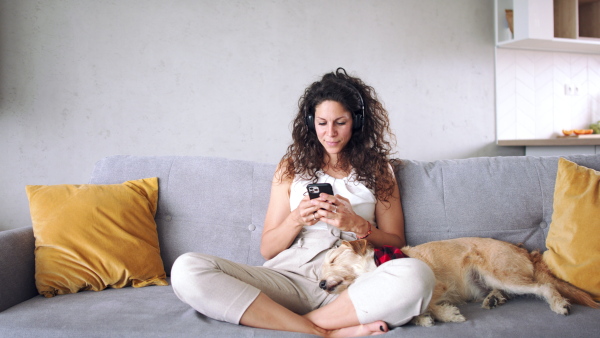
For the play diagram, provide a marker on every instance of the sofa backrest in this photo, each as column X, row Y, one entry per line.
column 217, row 206
column 506, row 198
column 211, row 205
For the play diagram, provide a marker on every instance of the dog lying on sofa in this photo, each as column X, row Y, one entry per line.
column 466, row 269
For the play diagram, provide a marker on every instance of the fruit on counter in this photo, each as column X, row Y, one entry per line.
column 595, row 127
column 577, row 132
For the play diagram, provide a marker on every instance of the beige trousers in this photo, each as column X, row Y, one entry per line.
column 218, row 288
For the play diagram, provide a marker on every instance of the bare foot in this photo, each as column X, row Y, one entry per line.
column 371, row 329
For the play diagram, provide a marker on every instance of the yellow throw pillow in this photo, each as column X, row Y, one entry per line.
column 89, row 237
column 573, row 239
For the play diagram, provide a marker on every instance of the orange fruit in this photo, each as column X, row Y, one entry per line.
column 567, row 132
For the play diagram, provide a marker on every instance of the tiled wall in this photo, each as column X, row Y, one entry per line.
column 531, row 99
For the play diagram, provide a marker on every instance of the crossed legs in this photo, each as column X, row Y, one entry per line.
column 264, row 298
column 337, row 319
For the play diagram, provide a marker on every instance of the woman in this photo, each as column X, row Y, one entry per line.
column 339, row 137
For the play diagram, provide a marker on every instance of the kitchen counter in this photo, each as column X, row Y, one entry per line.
column 559, row 141
column 556, row 146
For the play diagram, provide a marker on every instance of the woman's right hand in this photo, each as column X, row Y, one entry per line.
column 306, row 212
column 282, row 225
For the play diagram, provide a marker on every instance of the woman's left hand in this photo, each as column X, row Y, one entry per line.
column 337, row 211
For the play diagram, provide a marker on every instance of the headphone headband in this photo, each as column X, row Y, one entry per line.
column 357, row 119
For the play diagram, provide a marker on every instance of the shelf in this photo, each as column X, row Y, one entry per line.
column 551, row 142
column 587, row 46
column 549, row 25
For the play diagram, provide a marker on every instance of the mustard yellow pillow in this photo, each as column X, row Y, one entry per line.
column 574, row 237
column 90, row 237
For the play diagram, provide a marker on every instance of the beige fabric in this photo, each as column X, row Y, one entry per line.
column 395, row 292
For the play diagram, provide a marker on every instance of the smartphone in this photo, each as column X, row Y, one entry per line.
column 315, row 189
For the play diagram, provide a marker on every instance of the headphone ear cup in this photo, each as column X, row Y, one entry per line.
column 358, row 122
column 310, row 122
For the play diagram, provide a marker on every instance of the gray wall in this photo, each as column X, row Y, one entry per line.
column 84, row 79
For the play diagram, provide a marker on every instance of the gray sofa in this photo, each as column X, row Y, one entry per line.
column 217, row 206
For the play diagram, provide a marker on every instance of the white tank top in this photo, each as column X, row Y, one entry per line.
column 361, row 198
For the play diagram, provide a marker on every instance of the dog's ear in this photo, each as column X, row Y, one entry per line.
column 359, row 246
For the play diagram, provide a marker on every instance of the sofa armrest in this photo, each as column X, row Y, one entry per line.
column 17, row 267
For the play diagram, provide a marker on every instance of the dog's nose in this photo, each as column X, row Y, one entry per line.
column 323, row 284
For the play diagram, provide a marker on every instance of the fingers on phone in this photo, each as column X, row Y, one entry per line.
column 319, row 204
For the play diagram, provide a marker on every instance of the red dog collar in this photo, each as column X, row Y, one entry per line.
column 387, row 253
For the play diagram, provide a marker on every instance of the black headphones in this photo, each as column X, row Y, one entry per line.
column 358, row 119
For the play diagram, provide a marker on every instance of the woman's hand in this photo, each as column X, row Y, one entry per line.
column 306, row 213
column 337, row 211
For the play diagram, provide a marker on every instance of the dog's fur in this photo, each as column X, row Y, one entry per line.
column 466, row 269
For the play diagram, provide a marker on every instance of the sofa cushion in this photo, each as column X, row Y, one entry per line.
column 506, row 198
column 207, row 201
column 573, row 252
column 157, row 312
column 206, row 204
column 89, row 237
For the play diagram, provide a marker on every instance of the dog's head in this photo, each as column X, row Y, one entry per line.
column 342, row 265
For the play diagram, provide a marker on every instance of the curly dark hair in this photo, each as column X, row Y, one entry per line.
column 368, row 150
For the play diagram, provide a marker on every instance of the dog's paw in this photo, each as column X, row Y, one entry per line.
column 562, row 307
column 447, row 313
column 490, row 302
column 493, row 299
column 424, row 319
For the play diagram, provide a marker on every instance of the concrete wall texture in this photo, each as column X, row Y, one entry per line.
column 84, row 79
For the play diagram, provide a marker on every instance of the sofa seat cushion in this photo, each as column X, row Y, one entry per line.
column 155, row 311
column 152, row 311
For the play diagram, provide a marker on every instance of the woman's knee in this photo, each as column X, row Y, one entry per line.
column 187, row 271
column 210, row 286
column 395, row 292
column 414, row 282
column 188, row 263
column 419, row 280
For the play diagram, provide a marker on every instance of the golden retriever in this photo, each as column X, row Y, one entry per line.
column 466, row 269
